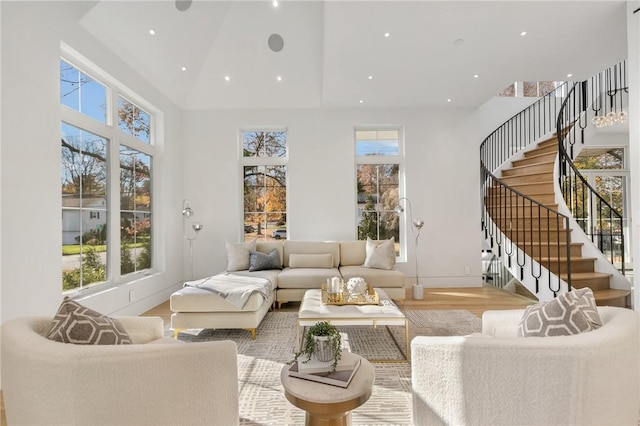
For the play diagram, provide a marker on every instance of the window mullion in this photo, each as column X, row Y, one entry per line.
column 113, row 209
column 113, row 191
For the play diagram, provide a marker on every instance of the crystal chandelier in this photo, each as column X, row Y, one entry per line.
column 610, row 119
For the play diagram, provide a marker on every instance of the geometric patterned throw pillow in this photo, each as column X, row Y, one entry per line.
column 74, row 323
column 570, row 313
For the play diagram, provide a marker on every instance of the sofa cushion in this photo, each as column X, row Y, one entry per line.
column 352, row 252
column 267, row 246
column 380, row 254
column 74, row 323
column 312, row 247
column 374, row 277
column 570, row 313
column 297, row 260
column 238, row 255
column 192, row 299
column 304, row 278
column 259, row 261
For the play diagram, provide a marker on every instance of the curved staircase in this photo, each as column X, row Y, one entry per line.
column 533, row 176
column 526, row 176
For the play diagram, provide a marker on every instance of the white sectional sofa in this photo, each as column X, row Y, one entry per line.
column 303, row 265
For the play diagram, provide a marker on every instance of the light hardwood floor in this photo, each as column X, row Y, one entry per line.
column 475, row 300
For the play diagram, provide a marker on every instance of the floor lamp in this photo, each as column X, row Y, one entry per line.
column 187, row 212
column 417, row 224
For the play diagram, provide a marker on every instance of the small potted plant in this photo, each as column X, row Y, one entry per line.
column 323, row 341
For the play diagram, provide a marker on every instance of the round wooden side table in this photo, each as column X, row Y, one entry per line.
column 325, row 404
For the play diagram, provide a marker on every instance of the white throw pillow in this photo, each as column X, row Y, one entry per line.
column 238, row 255
column 380, row 254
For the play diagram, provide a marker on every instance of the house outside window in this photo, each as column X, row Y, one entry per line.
column 378, row 171
column 107, row 150
column 264, row 174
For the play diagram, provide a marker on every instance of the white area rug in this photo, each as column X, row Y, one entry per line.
column 262, row 400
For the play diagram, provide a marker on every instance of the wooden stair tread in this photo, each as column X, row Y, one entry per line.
column 547, row 182
column 579, row 276
column 561, row 243
column 551, row 141
column 546, row 154
column 541, row 163
column 564, row 259
column 609, row 294
column 539, row 230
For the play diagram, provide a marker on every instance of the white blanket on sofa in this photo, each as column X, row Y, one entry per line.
column 236, row 289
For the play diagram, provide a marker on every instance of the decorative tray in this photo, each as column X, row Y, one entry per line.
column 370, row 297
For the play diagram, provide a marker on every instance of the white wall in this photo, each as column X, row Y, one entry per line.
column 633, row 40
column 30, row 164
column 497, row 110
column 441, row 182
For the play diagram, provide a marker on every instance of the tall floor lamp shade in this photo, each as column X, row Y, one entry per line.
column 416, row 228
column 187, row 212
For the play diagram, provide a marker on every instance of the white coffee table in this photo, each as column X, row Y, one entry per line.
column 312, row 310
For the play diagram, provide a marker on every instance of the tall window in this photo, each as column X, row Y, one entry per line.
column 264, row 158
column 378, row 162
column 106, row 143
column 605, row 170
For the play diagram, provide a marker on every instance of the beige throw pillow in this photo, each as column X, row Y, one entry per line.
column 380, row 254
column 238, row 255
column 570, row 313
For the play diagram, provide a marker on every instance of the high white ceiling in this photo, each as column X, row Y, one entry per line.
column 332, row 47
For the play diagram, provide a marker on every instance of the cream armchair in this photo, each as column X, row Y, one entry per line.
column 495, row 378
column 151, row 382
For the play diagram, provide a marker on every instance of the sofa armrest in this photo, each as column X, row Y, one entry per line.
column 143, row 329
column 162, row 384
column 501, row 323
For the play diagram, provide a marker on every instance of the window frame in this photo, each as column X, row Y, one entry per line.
column 115, row 138
column 398, row 160
column 259, row 161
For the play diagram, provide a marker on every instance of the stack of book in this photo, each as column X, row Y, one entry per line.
column 320, row 372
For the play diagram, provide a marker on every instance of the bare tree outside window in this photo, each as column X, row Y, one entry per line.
column 265, row 185
column 86, row 196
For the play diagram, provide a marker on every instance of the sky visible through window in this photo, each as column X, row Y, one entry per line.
column 377, row 142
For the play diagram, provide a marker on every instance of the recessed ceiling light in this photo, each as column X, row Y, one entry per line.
column 275, row 3
column 184, row 68
column 279, row 78
column 361, row 101
column 449, row 100
column 476, row 76
column 387, row 34
column 152, row 31
column 370, row 77
column 227, row 78
column 569, row 75
column 524, row 33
